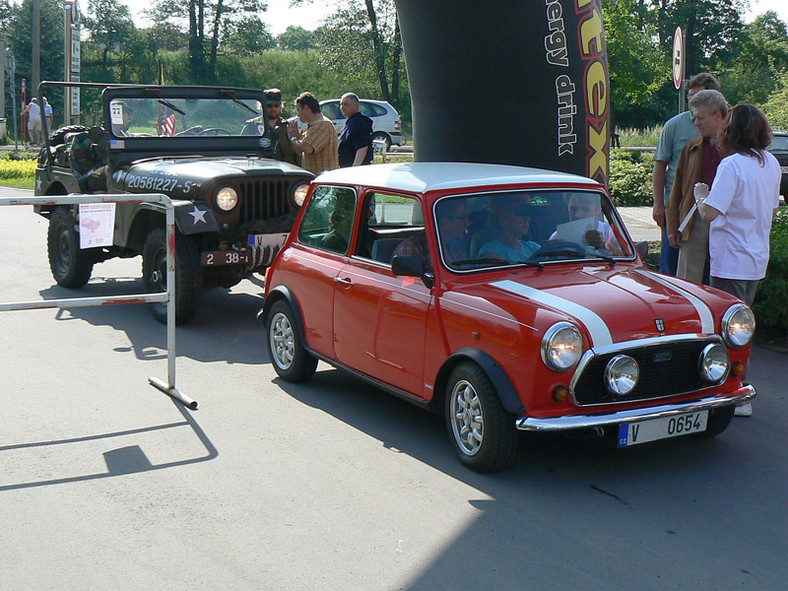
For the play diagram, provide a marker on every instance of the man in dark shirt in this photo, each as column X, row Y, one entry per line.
column 355, row 141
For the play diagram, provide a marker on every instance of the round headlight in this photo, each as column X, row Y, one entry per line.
column 622, row 374
column 714, row 363
column 738, row 325
column 562, row 346
column 226, row 198
column 299, row 194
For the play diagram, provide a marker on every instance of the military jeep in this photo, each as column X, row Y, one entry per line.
column 210, row 150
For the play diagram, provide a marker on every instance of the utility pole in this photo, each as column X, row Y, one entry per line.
column 36, row 47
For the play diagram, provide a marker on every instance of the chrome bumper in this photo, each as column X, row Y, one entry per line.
column 742, row 395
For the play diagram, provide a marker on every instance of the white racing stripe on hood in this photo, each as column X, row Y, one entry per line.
column 600, row 333
column 705, row 315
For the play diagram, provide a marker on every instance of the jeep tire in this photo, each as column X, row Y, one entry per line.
column 188, row 275
column 71, row 267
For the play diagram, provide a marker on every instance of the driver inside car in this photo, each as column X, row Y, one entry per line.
column 586, row 226
column 510, row 221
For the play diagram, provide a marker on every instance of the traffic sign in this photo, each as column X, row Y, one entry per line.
column 678, row 58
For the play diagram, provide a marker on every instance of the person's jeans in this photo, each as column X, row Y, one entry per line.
column 669, row 257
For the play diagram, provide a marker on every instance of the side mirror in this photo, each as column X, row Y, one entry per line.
column 642, row 248
column 410, row 266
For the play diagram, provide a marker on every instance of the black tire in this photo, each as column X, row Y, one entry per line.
column 188, row 275
column 382, row 135
column 59, row 135
column 291, row 361
column 718, row 421
column 71, row 267
column 483, row 434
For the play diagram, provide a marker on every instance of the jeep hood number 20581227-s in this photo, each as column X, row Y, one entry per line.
column 210, row 149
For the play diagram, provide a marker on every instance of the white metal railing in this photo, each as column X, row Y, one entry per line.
column 168, row 296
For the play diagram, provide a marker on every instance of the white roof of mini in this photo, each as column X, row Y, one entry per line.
column 431, row 176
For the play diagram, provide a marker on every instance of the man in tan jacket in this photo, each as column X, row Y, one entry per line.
column 697, row 164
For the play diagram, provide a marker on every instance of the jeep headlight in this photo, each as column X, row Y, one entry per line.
column 738, row 325
column 299, row 194
column 562, row 346
column 226, row 198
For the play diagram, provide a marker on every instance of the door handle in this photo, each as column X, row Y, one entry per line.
column 343, row 281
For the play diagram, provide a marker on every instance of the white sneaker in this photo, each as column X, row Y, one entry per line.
column 743, row 411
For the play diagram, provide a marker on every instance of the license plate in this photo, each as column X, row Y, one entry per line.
column 664, row 428
column 224, row 257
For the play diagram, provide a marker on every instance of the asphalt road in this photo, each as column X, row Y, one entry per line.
column 106, row 483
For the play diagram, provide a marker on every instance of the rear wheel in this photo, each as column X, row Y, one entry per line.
column 292, row 362
column 188, row 275
column 380, row 135
column 483, row 433
column 70, row 265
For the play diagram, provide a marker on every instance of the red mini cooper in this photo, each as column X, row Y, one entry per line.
column 508, row 299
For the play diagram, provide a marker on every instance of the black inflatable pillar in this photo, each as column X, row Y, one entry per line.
column 509, row 81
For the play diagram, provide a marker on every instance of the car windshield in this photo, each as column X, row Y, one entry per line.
column 141, row 117
column 534, row 228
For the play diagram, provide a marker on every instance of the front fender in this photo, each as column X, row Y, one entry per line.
column 503, row 385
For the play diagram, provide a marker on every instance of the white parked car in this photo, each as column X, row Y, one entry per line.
column 386, row 122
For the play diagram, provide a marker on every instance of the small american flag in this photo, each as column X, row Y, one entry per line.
column 168, row 125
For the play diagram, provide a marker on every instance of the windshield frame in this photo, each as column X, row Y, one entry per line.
column 609, row 214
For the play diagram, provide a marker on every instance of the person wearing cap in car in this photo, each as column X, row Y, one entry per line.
column 511, row 220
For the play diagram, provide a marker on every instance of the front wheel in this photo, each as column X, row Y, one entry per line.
column 482, row 432
column 292, row 362
column 70, row 265
column 188, row 275
column 719, row 419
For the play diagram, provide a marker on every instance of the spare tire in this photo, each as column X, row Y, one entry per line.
column 59, row 136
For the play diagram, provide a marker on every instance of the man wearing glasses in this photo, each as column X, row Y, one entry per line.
column 280, row 139
column 676, row 132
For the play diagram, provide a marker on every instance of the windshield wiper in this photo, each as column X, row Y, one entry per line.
column 245, row 106
column 495, row 261
column 573, row 254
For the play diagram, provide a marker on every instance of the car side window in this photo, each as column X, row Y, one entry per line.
column 328, row 219
column 331, row 110
column 390, row 220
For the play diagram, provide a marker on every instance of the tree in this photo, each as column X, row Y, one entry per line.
column 361, row 40
column 248, row 35
column 296, row 39
column 206, row 21
column 761, row 58
column 110, row 26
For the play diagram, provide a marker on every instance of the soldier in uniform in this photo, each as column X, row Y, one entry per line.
column 279, row 137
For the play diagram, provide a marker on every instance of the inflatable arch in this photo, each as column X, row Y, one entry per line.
column 509, row 81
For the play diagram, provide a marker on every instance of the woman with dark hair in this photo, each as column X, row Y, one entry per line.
column 741, row 205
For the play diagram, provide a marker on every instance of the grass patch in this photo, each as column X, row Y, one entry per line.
column 19, row 183
column 639, row 138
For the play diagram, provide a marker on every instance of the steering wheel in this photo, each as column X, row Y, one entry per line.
column 559, row 247
column 194, row 130
column 213, row 131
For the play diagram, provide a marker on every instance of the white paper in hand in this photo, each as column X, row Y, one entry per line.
column 700, row 191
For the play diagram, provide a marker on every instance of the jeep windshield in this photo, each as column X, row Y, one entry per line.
column 199, row 118
column 530, row 228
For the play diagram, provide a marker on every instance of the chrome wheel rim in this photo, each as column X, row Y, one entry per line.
column 282, row 341
column 467, row 417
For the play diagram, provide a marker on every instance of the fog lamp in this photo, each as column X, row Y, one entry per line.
column 621, row 375
column 714, row 363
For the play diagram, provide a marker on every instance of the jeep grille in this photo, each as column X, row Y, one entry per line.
column 262, row 200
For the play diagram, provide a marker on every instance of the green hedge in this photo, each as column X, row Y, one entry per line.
column 771, row 301
column 630, row 177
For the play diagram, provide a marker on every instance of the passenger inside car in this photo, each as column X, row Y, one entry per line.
column 510, row 221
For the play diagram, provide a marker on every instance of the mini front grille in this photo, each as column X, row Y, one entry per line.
column 665, row 370
column 261, row 200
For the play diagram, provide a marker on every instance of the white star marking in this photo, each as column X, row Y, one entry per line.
column 38, row 184
column 198, row 215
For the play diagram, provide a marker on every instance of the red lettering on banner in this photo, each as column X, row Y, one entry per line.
column 595, row 87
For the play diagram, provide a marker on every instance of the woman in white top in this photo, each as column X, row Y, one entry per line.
column 741, row 205
column 742, row 202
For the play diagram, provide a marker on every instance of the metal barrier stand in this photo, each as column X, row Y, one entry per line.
column 168, row 296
